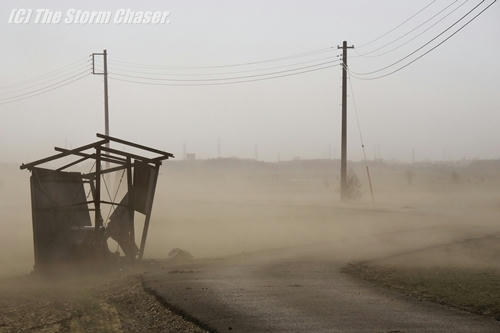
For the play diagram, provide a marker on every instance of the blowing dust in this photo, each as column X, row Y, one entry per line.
column 221, row 207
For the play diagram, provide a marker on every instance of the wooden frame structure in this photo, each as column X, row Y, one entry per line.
column 136, row 167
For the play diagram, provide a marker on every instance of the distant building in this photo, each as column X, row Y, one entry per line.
column 190, row 156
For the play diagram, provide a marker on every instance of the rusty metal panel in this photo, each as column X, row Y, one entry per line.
column 144, row 186
column 57, row 209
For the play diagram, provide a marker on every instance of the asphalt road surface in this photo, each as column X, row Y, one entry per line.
column 297, row 291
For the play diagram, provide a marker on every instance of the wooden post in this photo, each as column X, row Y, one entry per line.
column 97, row 196
column 130, row 200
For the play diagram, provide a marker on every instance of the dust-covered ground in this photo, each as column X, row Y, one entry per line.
column 221, row 207
column 464, row 274
column 113, row 301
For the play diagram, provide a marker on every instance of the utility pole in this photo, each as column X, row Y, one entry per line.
column 106, row 110
column 343, row 159
column 104, row 54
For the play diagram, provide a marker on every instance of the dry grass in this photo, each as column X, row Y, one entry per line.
column 452, row 277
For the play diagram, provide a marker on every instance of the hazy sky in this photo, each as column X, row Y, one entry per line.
column 446, row 105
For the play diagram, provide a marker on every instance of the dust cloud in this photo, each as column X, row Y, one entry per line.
column 220, row 207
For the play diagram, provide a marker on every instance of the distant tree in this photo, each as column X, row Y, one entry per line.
column 353, row 188
column 455, row 177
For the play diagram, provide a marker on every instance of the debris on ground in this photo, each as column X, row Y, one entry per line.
column 179, row 255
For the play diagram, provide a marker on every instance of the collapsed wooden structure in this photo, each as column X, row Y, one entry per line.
column 64, row 230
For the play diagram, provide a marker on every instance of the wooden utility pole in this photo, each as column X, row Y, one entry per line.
column 343, row 160
column 106, row 111
column 104, row 54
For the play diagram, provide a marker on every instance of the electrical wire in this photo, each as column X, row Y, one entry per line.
column 40, row 91
column 398, row 26
column 45, row 82
column 120, row 67
column 427, row 43
column 60, row 77
column 416, row 36
column 296, row 55
column 63, row 68
column 57, row 83
column 226, row 78
column 356, row 116
column 368, row 54
column 221, row 83
column 112, row 206
column 363, row 148
column 428, row 51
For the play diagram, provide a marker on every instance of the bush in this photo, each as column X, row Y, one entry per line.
column 353, row 188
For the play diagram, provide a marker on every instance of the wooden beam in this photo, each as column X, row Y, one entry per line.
column 113, row 203
column 127, row 154
column 104, row 157
column 97, row 198
column 130, row 193
column 91, row 175
column 63, row 154
column 135, row 145
column 72, row 163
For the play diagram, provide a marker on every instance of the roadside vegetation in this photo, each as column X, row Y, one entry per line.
column 471, row 285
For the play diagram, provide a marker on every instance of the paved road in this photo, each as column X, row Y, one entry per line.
column 298, row 292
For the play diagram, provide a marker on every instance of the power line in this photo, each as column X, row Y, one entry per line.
column 121, row 67
column 430, row 50
column 221, row 83
column 367, row 54
column 49, row 85
column 427, row 43
column 356, row 116
column 56, row 71
column 398, row 26
column 226, row 78
column 363, row 149
column 416, row 36
column 48, row 80
column 40, row 91
column 292, row 56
